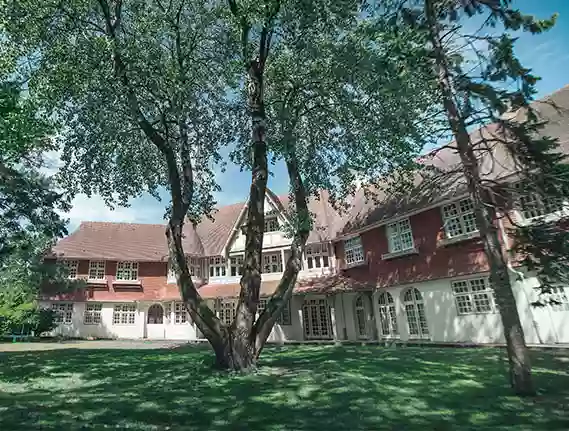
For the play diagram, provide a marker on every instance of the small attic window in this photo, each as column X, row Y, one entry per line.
column 271, row 223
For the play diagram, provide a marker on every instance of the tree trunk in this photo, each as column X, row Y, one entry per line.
column 518, row 354
column 239, row 348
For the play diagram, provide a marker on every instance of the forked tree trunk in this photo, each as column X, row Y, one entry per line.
column 518, row 354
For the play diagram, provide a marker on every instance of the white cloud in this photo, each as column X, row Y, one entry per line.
column 94, row 209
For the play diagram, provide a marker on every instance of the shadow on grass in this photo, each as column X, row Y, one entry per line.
column 296, row 388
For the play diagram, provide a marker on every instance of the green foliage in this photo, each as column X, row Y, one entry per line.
column 28, row 201
column 492, row 86
column 175, row 55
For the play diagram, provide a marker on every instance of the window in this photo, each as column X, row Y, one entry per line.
column 415, row 311
column 387, row 315
column 226, row 310
column 92, row 314
column 124, row 314
column 316, row 319
column 127, row 271
column 317, row 256
column 236, row 265
column 532, row 204
column 217, row 267
column 72, row 267
column 353, row 250
column 400, row 236
column 272, row 262
column 180, row 313
column 362, row 316
column 96, row 270
column 195, row 267
column 63, row 312
column 459, row 218
column 271, row 223
column 283, row 319
column 473, row 296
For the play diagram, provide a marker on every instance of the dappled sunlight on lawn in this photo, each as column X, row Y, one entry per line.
column 295, row 387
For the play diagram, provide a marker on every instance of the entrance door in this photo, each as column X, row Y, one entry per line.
column 415, row 311
column 316, row 319
column 155, row 322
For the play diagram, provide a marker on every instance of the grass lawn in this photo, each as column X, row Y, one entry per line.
column 296, row 388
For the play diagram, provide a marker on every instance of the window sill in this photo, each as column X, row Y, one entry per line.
column 459, row 238
column 97, row 281
column 128, row 282
column 475, row 313
column 546, row 218
column 355, row 264
column 396, row 254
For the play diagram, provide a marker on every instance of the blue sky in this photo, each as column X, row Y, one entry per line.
column 546, row 54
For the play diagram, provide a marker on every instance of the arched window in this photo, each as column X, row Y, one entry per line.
column 415, row 312
column 361, row 315
column 387, row 315
column 155, row 315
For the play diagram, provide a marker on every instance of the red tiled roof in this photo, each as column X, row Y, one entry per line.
column 115, row 241
column 327, row 284
column 147, row 242
column 443, row 179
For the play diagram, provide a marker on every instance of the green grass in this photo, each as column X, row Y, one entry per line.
column 296, row 388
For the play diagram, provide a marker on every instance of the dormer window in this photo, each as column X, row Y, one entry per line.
column 217, row 267
column 236, row 265
column 532, row 205
column 72, row 268
column 127, row 271
column 317, row 256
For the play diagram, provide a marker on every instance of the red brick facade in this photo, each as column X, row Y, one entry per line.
column 153, row 285
column 433, row 260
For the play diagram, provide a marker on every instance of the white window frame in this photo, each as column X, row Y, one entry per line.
column 400, row 236
column 181, row 315
column 124, row 314
column 236, row 265
column 558, row 298
column 128, row 271
column 63, row 312
column 195, row 267
column 92, row 314
column 72, row 267
column 226, row 310
column 283, row 319
column 313, row 310
column 460, row 214
column 97, row 270
column 387, row 315
column 272, row 263
column 471, row 293
column 317, row 256
column 217, row 267
column 531, row 206
column 353, row 251
column 415, row 313
column 271, row 223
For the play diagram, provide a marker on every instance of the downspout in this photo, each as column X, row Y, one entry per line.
column 345, row 326
column 519, row 274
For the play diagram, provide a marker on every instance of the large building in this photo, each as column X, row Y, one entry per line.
column 405, row 267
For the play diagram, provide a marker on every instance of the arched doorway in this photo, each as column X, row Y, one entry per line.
column 155, row 315
column 415, row 312
column 387, row 315
column 155, row 322
column 363, row 317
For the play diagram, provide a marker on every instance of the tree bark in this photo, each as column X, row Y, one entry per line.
column 518, row 354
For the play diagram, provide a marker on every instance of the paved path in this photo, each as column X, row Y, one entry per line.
column 84, row 344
